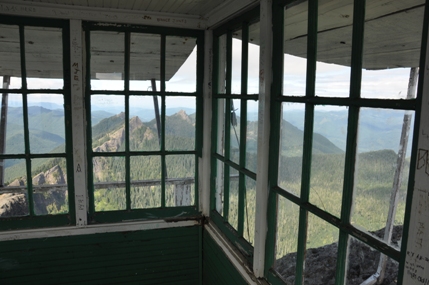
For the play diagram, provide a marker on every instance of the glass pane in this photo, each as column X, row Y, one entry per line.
column 180, row 123
column 291, row 147
column 220, row 127
column 181, row 64
column 219, row 195
column 295, row 49
column 363, row 262
column 327, row 162
column 180, row 180
column 334, row 48
column 46, row 123
column 12, row 122
column 144, row 131
column 221, row 85
column 252, row 136
column 108, row 134
column 253, row 60
column 321, row 253
column 384, row 147
column 145, row 182
column 10, row 56
column 145, row 62
column 44, row 58
column 235, row 131
column 107, row 60
column 49, row 186
column 13, row 195
column 249, row 210
column 236, row 62
column 286, row 239
column 109, row 183
column 233, row 198
column 389, row 53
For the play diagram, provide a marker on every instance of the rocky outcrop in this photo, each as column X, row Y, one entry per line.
column 12, row 205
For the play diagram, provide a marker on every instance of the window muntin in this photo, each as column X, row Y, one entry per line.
column 35, row 182
column 144, row 138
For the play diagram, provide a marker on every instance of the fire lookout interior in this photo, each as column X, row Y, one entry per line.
column 214, row 142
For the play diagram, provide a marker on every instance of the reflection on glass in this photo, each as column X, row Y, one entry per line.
column 221, row 84
column 13, row 189
column 327, row 162
column 236, row 62
column 12, row 124
column 334, row 46
column 180, row 180
column 107, row 60
column 44, row 57
column 109, row 183
column 363, row 262
column 235, row 131
column 287, row 239
column 180, row 123
column 145, row 133
column 108, row 123
column 219, row 195
column 295, row 49
column 252, row 136
column 253, row 59
column 10, row 68
column 249, row 210
column 233, row 198
column 145, row 182
column 291, row 147
column 181, row 64
column 382, row 168
column 220, row 127
column 46, row 123
column 49, row 200
column 145, row 61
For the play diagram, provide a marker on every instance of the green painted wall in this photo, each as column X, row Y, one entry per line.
column 217, row 269
column 165, row 256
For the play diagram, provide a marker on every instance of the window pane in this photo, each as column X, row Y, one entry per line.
column 46, row 123
column 49, row 186
column 44, row 58
column 144, row 131
column 10, row 56
column 236, row 62
column 235, row 131
column 222, row 65
column 108, row 135
column 219, row 195
column 107, row 60
column 249, row 210
column 145, row 61
column 109, row 183
column 145, row 182
column 13, row 195
column 233, row 198
column 181, row 64
column 220, row 127
column 381, row 170
column 295, row 49
column 180, row 123
column 287, row 239
column 180, row 180
column 334, row 48
column 14, row 121
column 291, row 147
column 252, row 136
column 327, row 162
column 253, row 60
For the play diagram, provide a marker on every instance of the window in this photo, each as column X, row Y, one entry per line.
column 341, row 147
column 143, row 97
column 235, row 118
column 35, row 139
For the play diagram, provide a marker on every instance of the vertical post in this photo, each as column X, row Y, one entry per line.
column 3, row 125
column 262, row 183
column 156, row 109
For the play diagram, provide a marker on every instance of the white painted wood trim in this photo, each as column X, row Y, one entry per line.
column 207, row 123
column 233, row 255
column 78, row 123
column 227, row 11
column 59, row 11
column 262, row 186
column 417, row 251
column 93, row 229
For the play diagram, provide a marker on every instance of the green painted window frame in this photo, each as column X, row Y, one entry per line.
column 221, row 219
column 354, row 102
column 152, row 213
column 32, row 220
